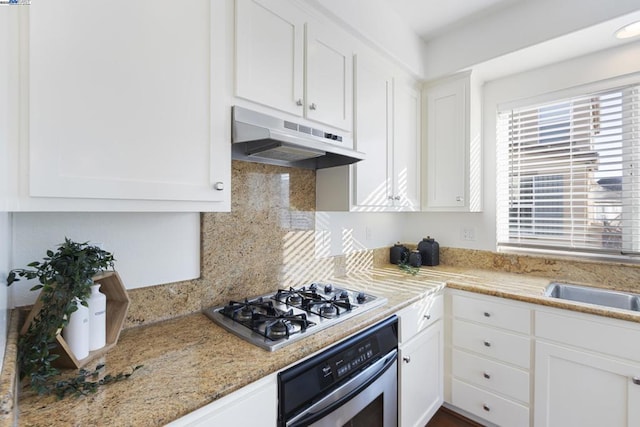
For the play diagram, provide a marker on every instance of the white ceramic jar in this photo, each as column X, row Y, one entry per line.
column 97, row 318
column 76, row 333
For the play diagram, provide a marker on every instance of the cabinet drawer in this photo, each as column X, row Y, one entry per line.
column 501, row 345
column 607, row 336
column 506, row 316
column 419, row 316
column 487, row 405
column 494, row 376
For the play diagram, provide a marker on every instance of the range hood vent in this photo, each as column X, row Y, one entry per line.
column 261, row 138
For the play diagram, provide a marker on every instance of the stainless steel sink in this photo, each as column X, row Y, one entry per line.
column 605, row 297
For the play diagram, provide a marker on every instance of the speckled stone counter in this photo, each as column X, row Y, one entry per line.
column 189, row 361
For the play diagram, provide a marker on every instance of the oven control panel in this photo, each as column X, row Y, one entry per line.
column 349, row 361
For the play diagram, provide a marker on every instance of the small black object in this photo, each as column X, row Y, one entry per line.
column 429, row 251
column 415, row 259
column 398, row 254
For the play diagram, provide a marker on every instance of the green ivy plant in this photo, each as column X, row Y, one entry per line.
column 64, row 277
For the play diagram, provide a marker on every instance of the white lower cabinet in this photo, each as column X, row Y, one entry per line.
column 587, row 371
column 254, row 405
column 490, row 358
column 421, row 361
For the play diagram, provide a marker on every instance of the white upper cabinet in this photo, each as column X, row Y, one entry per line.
column 387, row 130
column 451, row 158
column 329, row 84
column 117, row 107
column 406, row 146
column 288, row 60
column 270, row 54
column 373, row 183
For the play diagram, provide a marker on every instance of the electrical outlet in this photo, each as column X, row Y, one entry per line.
column 469, row 233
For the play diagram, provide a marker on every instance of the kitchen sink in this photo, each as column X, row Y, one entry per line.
column 605, row 297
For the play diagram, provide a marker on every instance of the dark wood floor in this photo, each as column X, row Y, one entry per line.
column 446, row 418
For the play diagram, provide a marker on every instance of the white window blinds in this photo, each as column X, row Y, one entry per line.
column 568, row 174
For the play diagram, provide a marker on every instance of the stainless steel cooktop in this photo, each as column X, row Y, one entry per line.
column 275, row 320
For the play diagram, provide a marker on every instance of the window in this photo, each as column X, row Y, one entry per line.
column 568, row 175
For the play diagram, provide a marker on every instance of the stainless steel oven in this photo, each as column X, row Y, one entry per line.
column 354, row 383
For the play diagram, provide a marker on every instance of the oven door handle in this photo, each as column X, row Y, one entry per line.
column 345, row 392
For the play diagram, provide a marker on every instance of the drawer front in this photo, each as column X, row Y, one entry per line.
column 493, row 376
column 482, row 310
column 495, row 343
column 484, row 404
column 608, row 336
column 419, row 316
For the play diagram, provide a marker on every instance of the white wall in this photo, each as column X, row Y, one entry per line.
column 341, row 233
column 5, row 234
column 523, row 24
column 150, row 248
column 446, row 227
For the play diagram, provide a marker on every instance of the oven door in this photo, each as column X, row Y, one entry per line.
column 370, row 399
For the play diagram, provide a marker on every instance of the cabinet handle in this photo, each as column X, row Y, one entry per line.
column 396, row 198
column 218, row 186
column 427, row 316
column 487, row 314
column 486, row 407
column 458, row 198
column 636, row 380
column 487, row 343
column 486, row 375
column 313, row 106
column 299, row 102
column 406, row 359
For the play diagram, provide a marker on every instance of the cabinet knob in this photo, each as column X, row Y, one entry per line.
column 313, row 106
column 396, row 198
column 486, row 407
column 459, row 199
column 636, row 380
column 427, row 316
column 299, row 102
column 487, row 314
column 406, row 359
column 487, row 343
column 218, row 186
column 486, row 375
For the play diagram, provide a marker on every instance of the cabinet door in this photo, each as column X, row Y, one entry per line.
column 421, row 377
column 576, row 388
column 329, row 85
column 270, row 53
column 406, row 146
column 372, row 180
column 253, row 405
column 120, row 102
column 446, row 145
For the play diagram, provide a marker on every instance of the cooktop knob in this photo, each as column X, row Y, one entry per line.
column 328, row 288
column 361, row 297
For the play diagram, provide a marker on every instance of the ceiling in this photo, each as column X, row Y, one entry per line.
column 430, row 18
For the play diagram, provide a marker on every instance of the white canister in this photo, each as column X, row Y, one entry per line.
column 97, row 318
column 76, row 333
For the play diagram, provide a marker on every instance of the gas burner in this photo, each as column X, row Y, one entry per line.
column 297, row 297
column 329, row 308
column 244, row 311
column 280, row 325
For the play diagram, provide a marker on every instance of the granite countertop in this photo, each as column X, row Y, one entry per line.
column 189, row 361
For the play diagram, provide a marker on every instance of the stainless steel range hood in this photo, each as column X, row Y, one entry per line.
column 261, row 138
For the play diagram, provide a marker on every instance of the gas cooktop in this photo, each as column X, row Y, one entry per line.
column 274, row 320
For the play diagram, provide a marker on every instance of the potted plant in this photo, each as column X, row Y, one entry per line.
column 65, row 278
